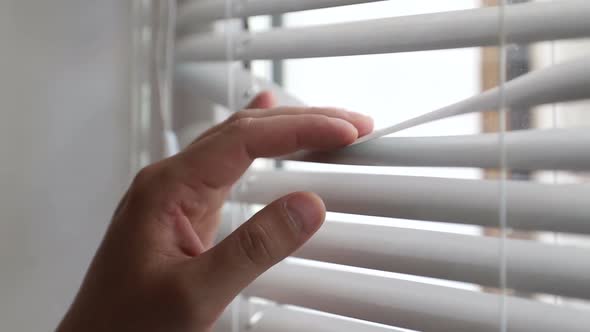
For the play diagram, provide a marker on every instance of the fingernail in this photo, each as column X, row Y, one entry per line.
column 306, row 211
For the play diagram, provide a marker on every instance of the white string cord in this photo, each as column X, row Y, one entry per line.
column 503, row 116
column 163, row 68
column 237, row 213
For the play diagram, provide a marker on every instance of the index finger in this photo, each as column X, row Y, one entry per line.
column 220, row 159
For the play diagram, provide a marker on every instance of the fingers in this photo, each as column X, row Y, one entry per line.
column 270, row 236
column 262, row 106
column 264, row 99
column 221, row 158
column 362, row 123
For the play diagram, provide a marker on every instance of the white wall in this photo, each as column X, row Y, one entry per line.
column 64, row 147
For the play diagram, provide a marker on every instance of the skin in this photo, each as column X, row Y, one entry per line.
column 157, row 268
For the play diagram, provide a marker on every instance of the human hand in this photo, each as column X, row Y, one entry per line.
column 156, row 269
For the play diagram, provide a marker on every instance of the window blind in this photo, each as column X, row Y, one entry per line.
column 477, row 27
column 355, row 275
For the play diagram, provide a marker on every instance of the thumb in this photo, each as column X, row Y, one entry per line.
column 270, row 236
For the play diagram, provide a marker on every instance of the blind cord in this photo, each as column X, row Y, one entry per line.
column 236, row 211
column 163, row 68
column 503, row 116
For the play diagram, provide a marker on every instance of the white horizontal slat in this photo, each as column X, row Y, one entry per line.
column 261, row 316
column 215, row 81
column 210, row 10
column 563, row 82
column 238, row 312
column 408, row 304
column 285, row 319
column 554, row 149
column 524, row 23
column 560, row 208
column 530, row 266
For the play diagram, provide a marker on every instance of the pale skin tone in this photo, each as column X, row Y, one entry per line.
column 157, row 268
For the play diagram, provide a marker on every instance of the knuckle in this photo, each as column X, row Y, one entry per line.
column 160, row 172
column 236, row 116
column 140, row 187
column 145, row 174
column 256, row 245
column 240, row 125
column 155, row 178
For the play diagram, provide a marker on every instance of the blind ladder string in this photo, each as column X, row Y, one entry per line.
column 162, row 69
column 503, row 116
column 236, row 212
